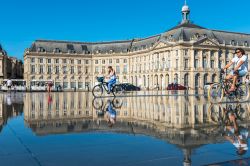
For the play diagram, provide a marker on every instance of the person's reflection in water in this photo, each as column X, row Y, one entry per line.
column 49, row 99
column 236, row 134
column 110, row 114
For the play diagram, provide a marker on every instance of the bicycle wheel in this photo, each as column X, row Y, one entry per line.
column 215, row 114
column 117, row 103
column 97, row 91
column 242, row 92
column 97, row 103
column 117, row 90
column 215, row 93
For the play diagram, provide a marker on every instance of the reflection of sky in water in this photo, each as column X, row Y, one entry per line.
column 72, row 129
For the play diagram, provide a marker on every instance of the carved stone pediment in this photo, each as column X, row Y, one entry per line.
column 161, row 44
column 207, row 42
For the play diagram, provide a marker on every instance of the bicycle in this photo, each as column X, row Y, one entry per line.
column 217, row 91
column 100, row 106
column 97, row 91
column 220, row 115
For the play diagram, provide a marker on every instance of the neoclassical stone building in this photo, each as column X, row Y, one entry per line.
column 187, row 53
column 10, row 67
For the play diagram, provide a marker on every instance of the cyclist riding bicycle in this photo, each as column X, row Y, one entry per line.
column 112, row 78
column 240, row 67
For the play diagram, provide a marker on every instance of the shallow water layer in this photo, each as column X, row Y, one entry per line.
column 73, row 128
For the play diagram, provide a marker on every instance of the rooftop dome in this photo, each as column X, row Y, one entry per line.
column 185, row 8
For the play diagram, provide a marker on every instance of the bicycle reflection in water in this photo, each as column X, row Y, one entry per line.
column 231, row 118
column 107, row 109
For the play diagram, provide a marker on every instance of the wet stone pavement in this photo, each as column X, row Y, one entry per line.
column 148, row 128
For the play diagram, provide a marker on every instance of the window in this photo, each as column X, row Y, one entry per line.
column 196, row 63
column 195, row 53
column 103, row 69
column 220, row 64
column 64, row 60
column 186, row 63
column 110, row 60
column 204, row 62
column 177, row 61
column 86, row 61
column 103, row 61
column 96, row 69
column 64, row 69
column 40, row 49
column 125, row 69
column 212, row 54
column 65, row 85
column 40, row 69
column 227, row 54
column 57, row 69
column 176, row 53
column 72, row 70
column 72, row 61
column 49, row 60
column 246, row 43
column 79, row 69
column 118, row 69
column 233, row 42
column 117, row 61
column 33, row 70
column 57, row 60
column 32, row 60
column 79, row 62
column 72, row 85
column 125, row 61
column 185, row 52
column 86, row 70
column 49, row 70
column 40, row 60
column 212, row 64
column 96, row 61
column 57, row 50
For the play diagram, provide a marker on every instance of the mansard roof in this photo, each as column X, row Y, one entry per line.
column 183, row 32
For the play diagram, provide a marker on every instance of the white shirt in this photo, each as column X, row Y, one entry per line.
column 237, row 60
column 9, row 82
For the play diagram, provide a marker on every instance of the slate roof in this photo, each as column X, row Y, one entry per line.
column 185, row 32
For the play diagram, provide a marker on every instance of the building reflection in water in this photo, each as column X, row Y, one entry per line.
column 11, row 105
column 187, row 122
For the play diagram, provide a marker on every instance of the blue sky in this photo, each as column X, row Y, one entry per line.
column 23, row 21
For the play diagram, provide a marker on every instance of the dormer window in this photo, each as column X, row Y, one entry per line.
column 111, row 51
column 233, row 42
column 70, row 48
column 98, row 52
column 57, row 50
column 246, row 43
column 40, row 49
column 197, row 35
column 204, row 35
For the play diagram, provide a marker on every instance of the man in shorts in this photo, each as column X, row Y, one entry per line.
column 240, row 67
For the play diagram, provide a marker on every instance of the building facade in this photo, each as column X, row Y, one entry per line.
column 187, row 54
column 10, row 67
